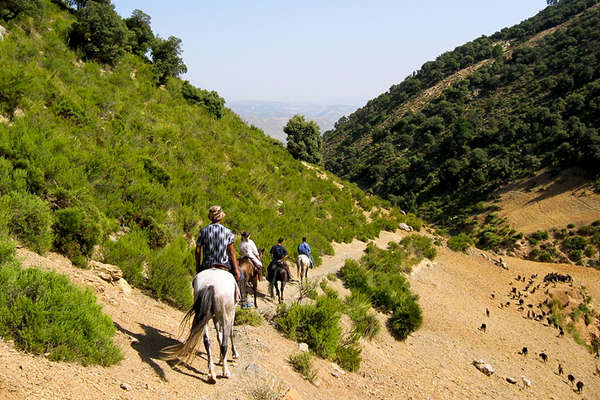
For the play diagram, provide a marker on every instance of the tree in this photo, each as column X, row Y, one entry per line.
column 10, row 9
column 100, row 33
column 304, row 139
column 552, row 2
column 141, row 32
column 166, row 58
column 79, row 4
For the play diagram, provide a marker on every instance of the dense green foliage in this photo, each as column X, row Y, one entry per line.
column 10, row 9
column 141, row 32
column 247, row 317
column 104, row 156
column 304, row 139
column 213, row 103
column 537, row 107
column 460, row 242
column 100, row 33
column 44, row 313
column 379, row 278
column 318, row 325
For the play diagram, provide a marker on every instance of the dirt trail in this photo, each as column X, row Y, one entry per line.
column 433, row 363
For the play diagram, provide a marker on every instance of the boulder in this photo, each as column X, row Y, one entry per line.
column 405, row 227
column 125, row 288
column 484, row 367
column 303, row 347
column 109, row 273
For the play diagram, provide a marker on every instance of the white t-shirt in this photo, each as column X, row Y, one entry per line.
column 248, row 248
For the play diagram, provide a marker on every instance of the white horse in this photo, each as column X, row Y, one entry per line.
column 302, row 265
column 215, row 296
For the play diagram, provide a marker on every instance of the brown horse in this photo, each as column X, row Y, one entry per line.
column 251, row 273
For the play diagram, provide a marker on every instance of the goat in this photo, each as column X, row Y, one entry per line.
column 579, row 386
column 562, row 332
column 526, row 382
column 487, row 312
column 524, row 351
column 544, row 357
column 483, row 327
column 560, row 369
column 571, row 378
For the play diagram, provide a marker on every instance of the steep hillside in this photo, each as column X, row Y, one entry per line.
column 492, row 111
column 100, row 161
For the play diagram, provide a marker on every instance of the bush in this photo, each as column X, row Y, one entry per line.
column 407, row 317
column 302, row 363
column 315, row 324
column 44, row 313
column 10, row 9
column 420, row 246
column 100, row 33
column 75, row 232
column 130, row 253
column 348, row 354
column 365, row 322
column 169, row 274
column 461, row 242
column 28, row 218
column 575, row 243
column 489, row 240
column 247, row 317
column 213, row 103
column 332, row 277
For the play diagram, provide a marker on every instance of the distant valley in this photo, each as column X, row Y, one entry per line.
column 271, row 116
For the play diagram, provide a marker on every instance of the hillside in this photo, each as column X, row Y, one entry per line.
column 117, row 163
column 435, row 362
column 490, row 112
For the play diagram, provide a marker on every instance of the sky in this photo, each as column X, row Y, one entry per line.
column 325, row 52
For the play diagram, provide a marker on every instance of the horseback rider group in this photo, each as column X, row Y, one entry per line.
column 215, row 249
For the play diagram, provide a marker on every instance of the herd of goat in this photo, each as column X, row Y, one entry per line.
column 518, row 296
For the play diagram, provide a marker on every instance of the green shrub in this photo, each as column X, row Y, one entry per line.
column 332, row 277
column 589, row 251
column 75, row 232
column 365, row 322
column 247, row 317
column 348, row 354
column 587, row 230
column 535, row 237
column 302, row 363
column 213, row 103
column 130, row 253
column 489, row 240
column 570, row 226
column 315, row 324
column 169, row 274
column 44, row 313
column 575, row 243
column 461, row 242
column 28, row 218
column 420, row 246
column 406, row 318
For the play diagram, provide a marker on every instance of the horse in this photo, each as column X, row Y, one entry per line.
column 215, row 296
column 302, row 265
column 280, row 274
column 252, row 274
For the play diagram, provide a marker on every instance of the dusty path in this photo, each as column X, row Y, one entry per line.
column 434, row 363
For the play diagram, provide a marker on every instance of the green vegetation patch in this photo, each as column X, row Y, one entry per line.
column 247, row 317
column 379, row 279
column 44, row 313
column 302, row 363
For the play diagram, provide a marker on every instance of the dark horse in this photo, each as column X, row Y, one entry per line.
column 281, row 275
column 252, row 274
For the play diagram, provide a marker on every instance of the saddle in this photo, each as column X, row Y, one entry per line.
column 221, row 266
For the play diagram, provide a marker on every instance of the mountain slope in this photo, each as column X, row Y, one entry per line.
column 492, row 111
column 97, row 152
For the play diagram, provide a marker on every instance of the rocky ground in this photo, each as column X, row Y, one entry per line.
column 434, row 363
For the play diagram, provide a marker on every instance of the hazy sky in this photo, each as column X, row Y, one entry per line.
column 327, row 51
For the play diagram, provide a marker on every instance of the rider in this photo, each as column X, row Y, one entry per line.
column 215, row 244
column 304, row 248
column 279, row 254
column 248, row 248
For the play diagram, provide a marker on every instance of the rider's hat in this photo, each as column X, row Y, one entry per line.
column 245, row 234
column 216, row 213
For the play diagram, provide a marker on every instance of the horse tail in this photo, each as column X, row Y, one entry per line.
column 202, row 311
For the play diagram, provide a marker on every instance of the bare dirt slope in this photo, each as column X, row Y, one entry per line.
column 433, row 363
column 543, row 202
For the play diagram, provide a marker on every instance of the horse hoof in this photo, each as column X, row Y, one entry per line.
column 226, row 374
column 212, row 379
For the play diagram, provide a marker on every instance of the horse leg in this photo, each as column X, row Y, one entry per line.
column 231, row 335
column 255, row 287
column 211, row 366
column 226, row 327
column 280, row 294
column 306, row 272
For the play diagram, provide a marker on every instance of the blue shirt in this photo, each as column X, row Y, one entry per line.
column 304, row 248
column 214, row 239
